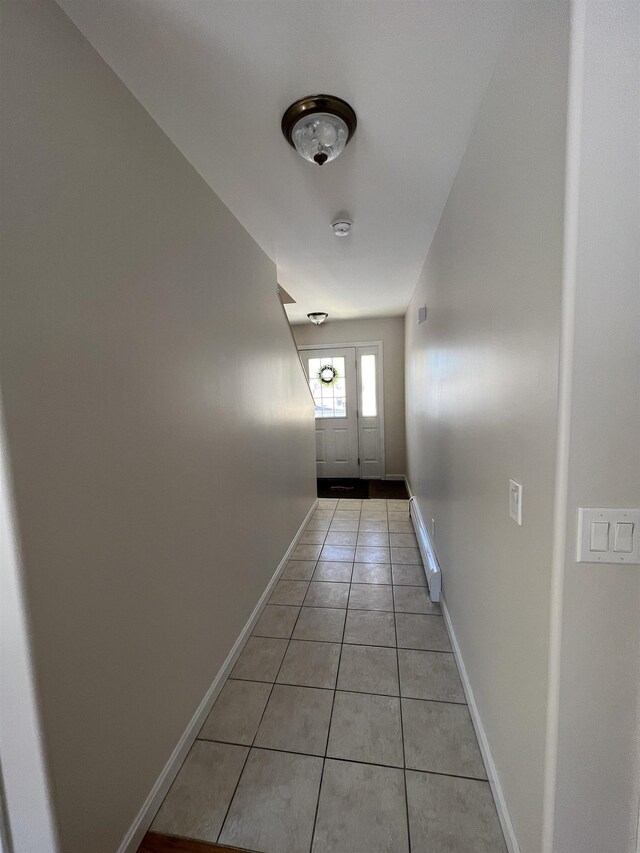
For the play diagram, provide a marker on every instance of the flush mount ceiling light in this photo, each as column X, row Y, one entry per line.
column 341, row 227
column 319, row 127
column 317, row 317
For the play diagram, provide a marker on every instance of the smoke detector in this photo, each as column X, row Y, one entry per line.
column 341, row 227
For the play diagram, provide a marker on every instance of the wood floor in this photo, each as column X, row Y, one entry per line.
column 154, row 842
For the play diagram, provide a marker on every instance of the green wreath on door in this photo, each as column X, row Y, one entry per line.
column 328, row 375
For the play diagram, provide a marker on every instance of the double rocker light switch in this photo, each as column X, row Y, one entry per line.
column 608, row 535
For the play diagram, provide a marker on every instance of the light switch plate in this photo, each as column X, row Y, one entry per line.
column 608, row 535
column 515, row 501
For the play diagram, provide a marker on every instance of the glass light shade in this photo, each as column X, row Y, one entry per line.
column 317, row 317
column 320, row 137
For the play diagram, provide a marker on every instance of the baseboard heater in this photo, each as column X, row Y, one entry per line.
column 429, row 559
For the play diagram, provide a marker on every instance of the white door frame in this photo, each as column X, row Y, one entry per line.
column 379, row 388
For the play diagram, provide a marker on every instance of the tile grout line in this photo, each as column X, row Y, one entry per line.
column 337, row 690
column 333, row 702
column 335, row 642
column 204, row 739
column 373, row 645
column 261, row 717
column 333, row 699
column 273, row 684
column 404, row 756
column 357, row 609
column 352, row 563
column 250, row 747
column 349, row 760
column 342, row 643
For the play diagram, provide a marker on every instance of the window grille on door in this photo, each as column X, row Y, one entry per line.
column 327, row 384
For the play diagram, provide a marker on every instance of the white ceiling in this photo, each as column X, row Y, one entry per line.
column 217, row 75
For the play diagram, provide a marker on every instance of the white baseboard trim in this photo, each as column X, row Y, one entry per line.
column 406, row 482
column 394, row 477
column 142, row 822
column 492, row 773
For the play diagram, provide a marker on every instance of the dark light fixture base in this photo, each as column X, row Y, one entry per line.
column 318, row 104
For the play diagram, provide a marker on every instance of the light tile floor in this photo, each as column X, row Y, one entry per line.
column 343, row 727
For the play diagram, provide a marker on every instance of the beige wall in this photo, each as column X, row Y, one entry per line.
column 159, row 477
column 599, row 733
column 481, row 397
column 391, row 332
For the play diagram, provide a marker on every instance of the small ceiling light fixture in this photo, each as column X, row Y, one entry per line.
column 341, row 227
column 317, row 317
column 319, row 127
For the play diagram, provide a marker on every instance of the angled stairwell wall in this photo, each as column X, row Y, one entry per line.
column 160, row 433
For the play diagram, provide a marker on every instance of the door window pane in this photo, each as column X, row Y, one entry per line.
column 329, row 397
column 368, row 380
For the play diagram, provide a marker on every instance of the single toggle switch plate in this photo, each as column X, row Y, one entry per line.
column 608, row 535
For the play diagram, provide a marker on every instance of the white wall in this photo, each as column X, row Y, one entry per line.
column 481, row 389
column 160, row 433
column 390, row 331
column 598, row 771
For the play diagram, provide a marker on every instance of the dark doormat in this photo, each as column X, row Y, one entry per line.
column 343, row 488
column 391, row 490
column 353, row 488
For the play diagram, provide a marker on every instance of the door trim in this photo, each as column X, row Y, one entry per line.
column 379, row 390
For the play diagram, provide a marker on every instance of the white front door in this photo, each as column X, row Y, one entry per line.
column 332, row 380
